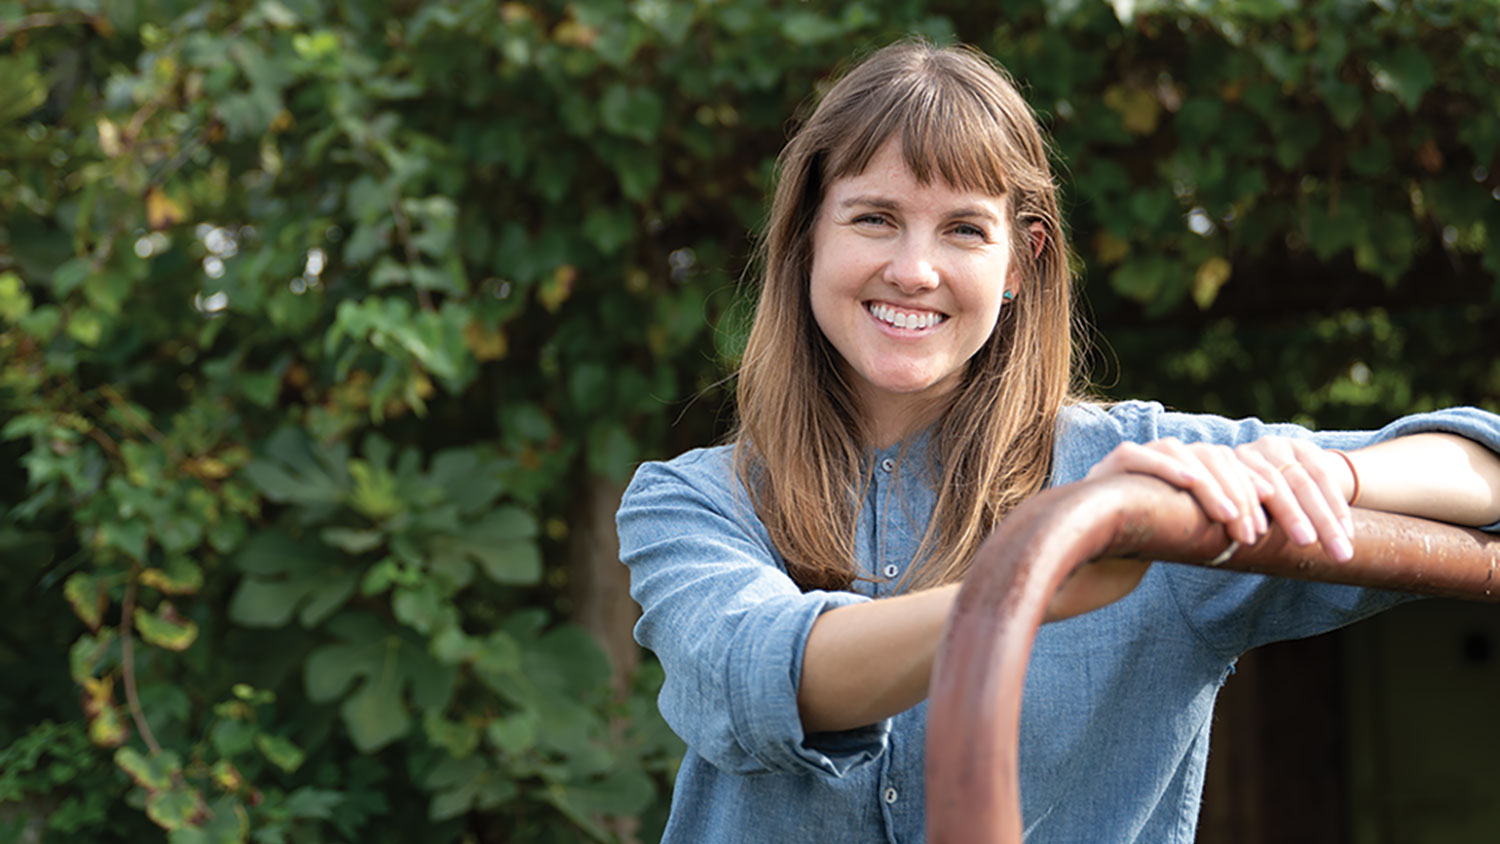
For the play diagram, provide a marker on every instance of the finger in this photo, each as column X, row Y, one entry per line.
column 1324, row 466
column 1315, row 504
column 1283, row 505
column 1209, row 488
column 1152, row 459
column 1234, row 477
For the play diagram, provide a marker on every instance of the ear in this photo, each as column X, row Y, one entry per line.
column 1038, row 234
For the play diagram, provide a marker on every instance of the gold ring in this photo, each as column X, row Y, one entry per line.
column 1287, row 465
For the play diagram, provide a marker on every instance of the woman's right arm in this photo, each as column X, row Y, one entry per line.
column 727, row 623
column 867, row 662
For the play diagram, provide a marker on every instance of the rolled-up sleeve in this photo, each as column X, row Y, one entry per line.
column 727, row 623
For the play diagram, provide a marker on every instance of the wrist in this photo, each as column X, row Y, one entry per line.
column 1347, row 475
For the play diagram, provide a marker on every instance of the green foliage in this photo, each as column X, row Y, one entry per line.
column 315, row 318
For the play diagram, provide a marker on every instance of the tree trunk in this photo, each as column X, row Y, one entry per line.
column 598, row 582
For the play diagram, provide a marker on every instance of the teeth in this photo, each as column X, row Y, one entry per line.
column 901, row 319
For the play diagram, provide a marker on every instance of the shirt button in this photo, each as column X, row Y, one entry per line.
column 890, row 795
column 888, row 464
column 891, row 570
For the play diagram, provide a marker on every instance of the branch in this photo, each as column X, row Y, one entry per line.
column 403, row 231
column 42, row 20
column 127, row 665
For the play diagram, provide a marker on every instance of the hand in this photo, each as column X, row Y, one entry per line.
column 1299, row 484
column 1308, row 498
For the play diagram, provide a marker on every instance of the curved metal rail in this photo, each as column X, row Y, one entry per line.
column 974, row 708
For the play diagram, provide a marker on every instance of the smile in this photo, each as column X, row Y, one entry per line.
column 913, row 320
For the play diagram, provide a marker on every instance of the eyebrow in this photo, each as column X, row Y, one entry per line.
column 885, row 204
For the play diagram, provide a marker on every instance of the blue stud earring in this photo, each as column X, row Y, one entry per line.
column 1008, row 296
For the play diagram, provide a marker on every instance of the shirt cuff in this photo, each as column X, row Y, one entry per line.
column 765, row 701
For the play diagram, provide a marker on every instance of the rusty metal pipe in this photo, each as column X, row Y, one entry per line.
column 974, row 707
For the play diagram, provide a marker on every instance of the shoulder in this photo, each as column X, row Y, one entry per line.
column 710, row 470
column 1087, row 431
column 703, row 479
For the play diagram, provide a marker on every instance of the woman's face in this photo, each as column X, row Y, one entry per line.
column 907, row 284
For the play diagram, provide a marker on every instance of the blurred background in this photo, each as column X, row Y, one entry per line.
column 330, row 331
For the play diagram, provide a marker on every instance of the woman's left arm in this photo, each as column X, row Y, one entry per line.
column 1435, row 476
column 1308, row 489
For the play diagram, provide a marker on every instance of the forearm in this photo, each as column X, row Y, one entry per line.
column 1434, row 476
column 866, row 662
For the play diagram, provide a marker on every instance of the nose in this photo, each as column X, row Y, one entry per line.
column 913, row 266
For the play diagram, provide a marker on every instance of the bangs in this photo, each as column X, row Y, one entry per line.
column 947, row 131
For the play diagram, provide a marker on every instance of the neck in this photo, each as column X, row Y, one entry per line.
column 893, row 419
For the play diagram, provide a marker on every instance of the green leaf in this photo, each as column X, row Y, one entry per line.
column 609, row 227
column 22, row 88
column 612, row 452
column 231, row 737
column 309, row 802
column 633, row 112
column 1407, row 74
column 297, row 471
column 515, row 733
column 375, row 715
column 330, row 670
column 227, row 823
column 459, row 738
column 463, row 784
column 806, row 27
column 500, row 542
column 128, row 537
column 624, row 793
column 281, row 752
column 285, row 574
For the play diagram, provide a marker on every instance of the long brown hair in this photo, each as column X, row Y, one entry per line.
column 801, row 448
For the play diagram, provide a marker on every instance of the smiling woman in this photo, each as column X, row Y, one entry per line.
column 906, row 383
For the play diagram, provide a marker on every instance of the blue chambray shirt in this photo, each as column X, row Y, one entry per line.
column 1115, row 725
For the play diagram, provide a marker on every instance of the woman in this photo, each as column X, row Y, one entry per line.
column 907, row 383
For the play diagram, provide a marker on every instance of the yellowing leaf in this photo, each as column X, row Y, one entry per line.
column 106, row 724
column 86, row 596
column 162, row 212
column 1211, row 275
column 166, row 629
column 1138, row 108
column 486, row 342
column 1109, row 248
column 556, row 290
column 180, row 576
column 109, row 138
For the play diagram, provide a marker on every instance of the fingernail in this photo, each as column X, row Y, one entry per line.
column 1342, row 550
column 1188, row 476
column 1302, row 533
column 1227, row 508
